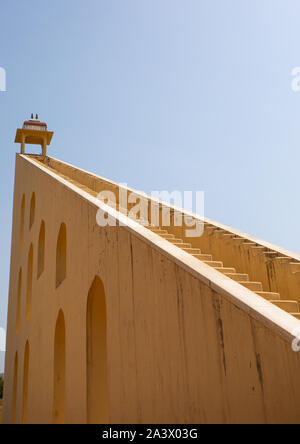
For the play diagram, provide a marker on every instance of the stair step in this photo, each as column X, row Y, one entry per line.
column 175, row 240
column 271, row 254
column 238, row 276
column 214, row 264
column 282, row 259
column 158, row 230
column 236, row 238
column 225, row 270
column 254, row 286
column 289, row 306
column 192, row 250
column 167, row 236
column 203, row 257
column 269, row 295
column 295, row 267
column 182, row 245
column 211, row 228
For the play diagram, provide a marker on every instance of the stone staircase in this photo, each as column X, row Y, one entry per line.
column 289, row 306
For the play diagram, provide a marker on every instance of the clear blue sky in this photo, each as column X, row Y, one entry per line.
column 161, row 94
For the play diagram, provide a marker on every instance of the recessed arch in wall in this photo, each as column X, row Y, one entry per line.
column 41, row 250
column 25, row 383
column 22, row 217
column 18, row 315
column 59, row 383
column 32, row 210
column 29, row 282
column 96, row 359
column 15, row 387
column 61, row 255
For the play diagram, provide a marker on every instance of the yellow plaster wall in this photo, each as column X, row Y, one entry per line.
column 184, row 345
column 277, row 275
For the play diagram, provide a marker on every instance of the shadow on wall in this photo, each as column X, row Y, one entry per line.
column 61, row 255
column 97, row 389
column 25, row 383
column 59, row 383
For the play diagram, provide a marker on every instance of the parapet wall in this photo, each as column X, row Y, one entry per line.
column 278, row 269
column 184, row 344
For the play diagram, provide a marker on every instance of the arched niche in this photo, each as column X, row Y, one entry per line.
column 96, row 359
